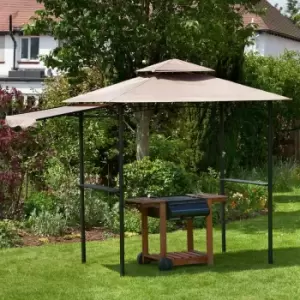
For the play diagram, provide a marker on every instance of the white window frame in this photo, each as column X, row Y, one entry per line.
column 29, row 48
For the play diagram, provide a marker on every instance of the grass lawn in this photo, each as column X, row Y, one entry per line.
column 55, row 271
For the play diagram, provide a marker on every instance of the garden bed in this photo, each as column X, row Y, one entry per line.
column 94, row 234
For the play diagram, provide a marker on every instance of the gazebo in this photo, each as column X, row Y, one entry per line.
column 171, row 81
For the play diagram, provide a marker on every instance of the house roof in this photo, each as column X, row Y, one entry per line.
column 21, row 11
column 272, row 21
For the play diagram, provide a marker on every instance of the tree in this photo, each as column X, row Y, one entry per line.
column 21, row 154
column 118, row 36
column 293, row 11
column 61, row 134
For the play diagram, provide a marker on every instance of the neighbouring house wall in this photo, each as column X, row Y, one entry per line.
column 47, row 43
column 26, row 87
column 276, row 45
column 271, row 45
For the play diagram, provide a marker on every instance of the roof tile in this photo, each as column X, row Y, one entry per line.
column 21, row 11
column 272, row 21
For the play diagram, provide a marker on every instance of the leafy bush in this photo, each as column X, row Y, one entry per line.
column 171, row 149
column 40, row 201
column 8, row 234
column 156, row 178
column 247, row 201
column 286, row 175
column 47, row 223
column 209, row 182
column 97, row 211
column 64, row 186
column 132, row 221
column 244, row 200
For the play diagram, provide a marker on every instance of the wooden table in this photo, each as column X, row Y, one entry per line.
column 169, row 259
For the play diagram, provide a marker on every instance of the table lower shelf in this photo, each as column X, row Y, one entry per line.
column 181, row 258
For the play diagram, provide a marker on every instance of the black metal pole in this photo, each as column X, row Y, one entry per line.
column 81, row 182
column 121, row 188
column 270, row 183
column 222, row 172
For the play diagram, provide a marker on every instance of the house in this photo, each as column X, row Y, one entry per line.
column 20, row 66
column 274, row 32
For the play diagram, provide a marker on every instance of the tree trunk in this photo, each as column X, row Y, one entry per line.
column 143, row 116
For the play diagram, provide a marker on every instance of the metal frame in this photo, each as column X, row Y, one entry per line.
column 81, row 183
column 268, row 184
column 120, row 190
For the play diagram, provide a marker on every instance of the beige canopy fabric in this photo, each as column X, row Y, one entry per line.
column 171, row 81
column 182, row 87
column 175, row 66
column 29, row 119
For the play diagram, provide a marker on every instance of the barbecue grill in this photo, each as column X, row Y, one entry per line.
column 181, row 207
column 174, row 208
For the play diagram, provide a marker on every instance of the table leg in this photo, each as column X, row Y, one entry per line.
column 145, row 245
column 190, row 235
column 163, row 229
column 209, row 235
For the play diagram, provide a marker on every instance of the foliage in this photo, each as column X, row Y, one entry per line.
column 47, row 223
column 250, row 201
column 209, row 181
column 117, row 37
column 278, row 75
column 97, row 210
column 245, row 123
column 244, row 200
column 21, row 154
column 64, row 186
column 39, row 201
column 156, row 178
column 170, row 149
column 100, row 131
column 120, row 37
column 286, row 175
column 293, row 11
column 8, row 234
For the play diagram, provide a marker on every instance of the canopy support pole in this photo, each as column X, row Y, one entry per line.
column 81, row 183
column 270, row 183
column 222, row 173
column 121, row 188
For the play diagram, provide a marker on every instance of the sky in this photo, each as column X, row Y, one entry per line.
column 281, row 3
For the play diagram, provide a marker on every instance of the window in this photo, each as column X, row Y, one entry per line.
column 30, row 47
column 2, row 48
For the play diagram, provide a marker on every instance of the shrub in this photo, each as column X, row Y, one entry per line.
column 156, row 178
column 97, row 211
column 246, row 201
column 171, row 149
column 209, row 182
column 40, row 201
column 8, row 234
column 64, row 186
column 47, row 223
column 286, row 175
